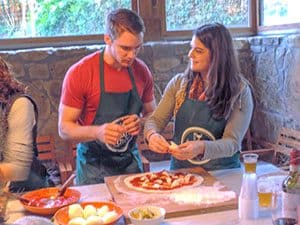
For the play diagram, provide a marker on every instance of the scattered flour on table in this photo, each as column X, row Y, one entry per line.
column 203, row 195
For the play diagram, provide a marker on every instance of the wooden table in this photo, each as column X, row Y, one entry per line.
column 232, row 178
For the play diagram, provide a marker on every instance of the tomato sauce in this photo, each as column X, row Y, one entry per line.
column 161, row 179
column 51, row 202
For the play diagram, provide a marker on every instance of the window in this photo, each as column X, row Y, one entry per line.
column 51, row 18
column 276, row 12
column 40, row 23
column 279, row 16
column 189, row 14
column 181, row 16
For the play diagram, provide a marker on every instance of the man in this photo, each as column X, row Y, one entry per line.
column 103, row 96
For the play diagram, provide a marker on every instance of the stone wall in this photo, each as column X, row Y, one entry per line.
column 272, row 64
column 276, row 81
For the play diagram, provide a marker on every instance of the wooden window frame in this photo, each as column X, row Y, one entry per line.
column 274, row 29
column 23, row 43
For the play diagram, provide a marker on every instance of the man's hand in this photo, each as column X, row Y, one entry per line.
column 132, row 124
column 110, row 133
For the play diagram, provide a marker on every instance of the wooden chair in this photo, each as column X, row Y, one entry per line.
column 70, row 159
column 278, row 153
column 46, row 148
column 47, row 153
column 287, row 140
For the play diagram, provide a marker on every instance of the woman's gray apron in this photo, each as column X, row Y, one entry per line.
column 94, row 159
column 193, row 113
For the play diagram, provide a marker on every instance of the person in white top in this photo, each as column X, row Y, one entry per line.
column 18, row 125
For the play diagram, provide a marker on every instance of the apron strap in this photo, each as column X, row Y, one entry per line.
column 132, row 79
column 102, row 70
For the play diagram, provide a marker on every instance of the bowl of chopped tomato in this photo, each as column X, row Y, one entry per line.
column 46, row 201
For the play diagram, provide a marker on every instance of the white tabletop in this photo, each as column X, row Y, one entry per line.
column 231, row 178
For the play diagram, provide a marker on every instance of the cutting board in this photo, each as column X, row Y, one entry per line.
column 127, row 198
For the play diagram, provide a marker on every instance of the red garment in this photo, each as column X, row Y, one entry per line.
column 81, row 86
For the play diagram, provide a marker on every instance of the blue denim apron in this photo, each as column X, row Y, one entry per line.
column 194, row 113
column 94, row 159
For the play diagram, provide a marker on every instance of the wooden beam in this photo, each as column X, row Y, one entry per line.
column 151, row 12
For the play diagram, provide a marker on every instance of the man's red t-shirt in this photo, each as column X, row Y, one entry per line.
column 81, row 86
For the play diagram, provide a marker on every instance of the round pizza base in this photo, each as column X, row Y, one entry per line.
column 199, row 180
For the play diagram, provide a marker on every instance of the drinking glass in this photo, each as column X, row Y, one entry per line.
column 250, row 161
column 278, row 213
column 266, row 191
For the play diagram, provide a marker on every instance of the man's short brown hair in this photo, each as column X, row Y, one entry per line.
column 121, row 20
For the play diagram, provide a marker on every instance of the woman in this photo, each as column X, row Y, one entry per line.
column 18, row 127
column 211, row 103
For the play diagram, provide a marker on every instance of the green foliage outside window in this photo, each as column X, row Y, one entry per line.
column 42, row 18
column 189, row 14
column 75, row 17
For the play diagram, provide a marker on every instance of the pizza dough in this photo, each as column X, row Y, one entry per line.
column 90, row 215
column 173, row 145
column 75, row 210
column 162, row 182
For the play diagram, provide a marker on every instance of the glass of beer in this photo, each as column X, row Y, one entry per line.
column 265, row 188
column 250, row 161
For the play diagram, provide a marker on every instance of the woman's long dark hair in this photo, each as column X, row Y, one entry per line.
column 223, row 76
column 8, row 84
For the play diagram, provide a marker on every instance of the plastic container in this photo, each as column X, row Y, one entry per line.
column 248, row 198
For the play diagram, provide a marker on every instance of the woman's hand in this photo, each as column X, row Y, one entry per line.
column 158, row 143
column 188, row 150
